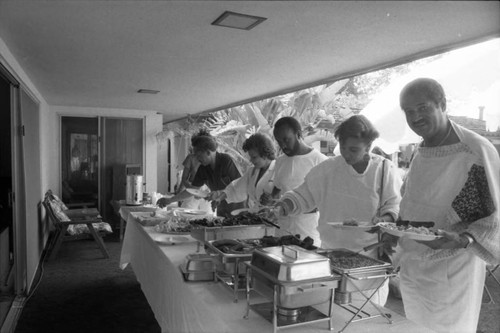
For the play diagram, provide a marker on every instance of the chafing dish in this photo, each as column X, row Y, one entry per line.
column 294, row 279
column 229, row 262
column 359, row 273
column 205, row 234
column 198, row 267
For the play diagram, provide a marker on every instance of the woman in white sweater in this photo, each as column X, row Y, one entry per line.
column 356, row 186
column 257, row 180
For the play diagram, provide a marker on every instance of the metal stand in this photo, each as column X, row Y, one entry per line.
column 269, row 310
column 232, row 281
column 368, row 299
column 490, row 272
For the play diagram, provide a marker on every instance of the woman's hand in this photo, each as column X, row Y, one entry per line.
column 266, row 199
column 390, row 242
column 281, row 208
column 216, row 196
column 449, row 240
column 163, row 202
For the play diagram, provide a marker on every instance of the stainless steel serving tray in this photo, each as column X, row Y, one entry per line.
column 289, row 263
column 376, row 265
column 211, row 247
column 205, row 234
column 360, row 278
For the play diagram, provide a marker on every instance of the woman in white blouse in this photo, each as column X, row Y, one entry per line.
column 355, row 186
column 257, row 180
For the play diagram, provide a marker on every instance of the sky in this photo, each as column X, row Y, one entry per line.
column 470, row 77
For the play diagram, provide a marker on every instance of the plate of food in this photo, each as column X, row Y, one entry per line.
column 352, row 225
column 174, row 226
column 198, row 193
column 192, row 212
column 408, row 231
column 168, row 239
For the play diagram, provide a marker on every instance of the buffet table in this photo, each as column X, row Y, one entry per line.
column 181, row 306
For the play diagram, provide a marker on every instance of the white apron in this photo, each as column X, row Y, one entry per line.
column 441, row 289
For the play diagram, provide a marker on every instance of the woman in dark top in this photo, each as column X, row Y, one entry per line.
column 217, row 170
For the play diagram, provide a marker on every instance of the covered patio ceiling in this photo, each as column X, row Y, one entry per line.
column 98, row 54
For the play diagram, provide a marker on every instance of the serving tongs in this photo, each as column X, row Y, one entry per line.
column 366, row 249
column 266, row 219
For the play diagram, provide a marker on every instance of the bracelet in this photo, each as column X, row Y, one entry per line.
column 469, row 238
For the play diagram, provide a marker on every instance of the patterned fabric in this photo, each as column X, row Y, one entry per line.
column 78, row 229
column 58, row 207
column 474, row 200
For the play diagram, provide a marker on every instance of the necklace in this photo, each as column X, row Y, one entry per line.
column 444, row 139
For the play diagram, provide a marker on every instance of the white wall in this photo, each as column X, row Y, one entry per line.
column 35, row 233
column 50, row 143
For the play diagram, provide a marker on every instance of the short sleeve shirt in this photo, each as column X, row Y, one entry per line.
column 216, row 179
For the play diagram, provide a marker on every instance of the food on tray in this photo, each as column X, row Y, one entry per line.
column 351, row 222
column 175, row 224
column 231, row 246
column 414, row 223
column 349, row 261
column 242, row 246
column 268, row 241
column 409, row 228
column 244, row 218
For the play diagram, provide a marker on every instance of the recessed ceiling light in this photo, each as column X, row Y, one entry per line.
column 147, row 91
column 238, row 21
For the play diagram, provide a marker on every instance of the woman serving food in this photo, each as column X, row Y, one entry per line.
column 256, row 181
column 355, row 187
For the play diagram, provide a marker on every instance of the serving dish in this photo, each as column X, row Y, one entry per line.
column 198, row 267
column 164, row 239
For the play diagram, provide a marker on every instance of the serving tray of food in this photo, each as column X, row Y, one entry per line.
column 408, row 230
column 243, row 226
column 149, row 219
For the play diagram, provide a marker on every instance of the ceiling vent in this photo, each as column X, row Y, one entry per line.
column 238, row 21
column 147, row 91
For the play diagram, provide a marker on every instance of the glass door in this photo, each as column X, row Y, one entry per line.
column 80, row 161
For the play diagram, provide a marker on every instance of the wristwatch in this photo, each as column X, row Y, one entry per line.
column 469, row 239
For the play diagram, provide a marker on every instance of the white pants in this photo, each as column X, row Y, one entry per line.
column 444, row 295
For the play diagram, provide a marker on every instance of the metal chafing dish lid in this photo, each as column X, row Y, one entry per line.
column 291, row 263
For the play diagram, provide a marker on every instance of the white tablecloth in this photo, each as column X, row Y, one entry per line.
column 181, row 306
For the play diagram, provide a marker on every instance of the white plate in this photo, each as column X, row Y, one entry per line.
column 198, row 193
column 389, row 228
column 362, row 226
column 192, row 212
column 165, row 239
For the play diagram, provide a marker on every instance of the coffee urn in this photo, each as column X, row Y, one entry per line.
column 134, row 190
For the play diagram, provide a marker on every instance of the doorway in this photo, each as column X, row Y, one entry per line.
column 80, row 161
column 96, row 153
column 7, row 292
